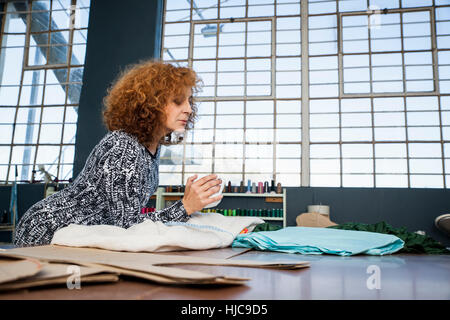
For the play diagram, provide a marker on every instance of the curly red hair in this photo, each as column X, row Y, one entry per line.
column 136, row 100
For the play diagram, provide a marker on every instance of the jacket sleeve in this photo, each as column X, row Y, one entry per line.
column 176, row 212
column 123, row 187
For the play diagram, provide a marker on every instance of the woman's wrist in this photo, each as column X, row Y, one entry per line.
column 188, row 210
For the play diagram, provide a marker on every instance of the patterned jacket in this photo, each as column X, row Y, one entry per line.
column 117, row 180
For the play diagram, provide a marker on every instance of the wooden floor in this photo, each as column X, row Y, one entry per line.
column 401, row 276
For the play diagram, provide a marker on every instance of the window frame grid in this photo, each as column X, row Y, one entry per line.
column 305, row 97
column 433, row 50
column 41, row 105
column 215, row 99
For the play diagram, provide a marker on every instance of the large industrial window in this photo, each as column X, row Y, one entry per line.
column 371, row 108
column 250, row 112
column 379, row 93
column 43, row 46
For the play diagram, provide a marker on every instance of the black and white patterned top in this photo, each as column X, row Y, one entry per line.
column 117, row 181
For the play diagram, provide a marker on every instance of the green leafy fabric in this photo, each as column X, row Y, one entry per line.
column 267, row 227
column 414, row 243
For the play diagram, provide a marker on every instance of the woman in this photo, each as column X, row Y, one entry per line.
column 145, row 105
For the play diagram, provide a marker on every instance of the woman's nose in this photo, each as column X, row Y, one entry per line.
column 187, row 107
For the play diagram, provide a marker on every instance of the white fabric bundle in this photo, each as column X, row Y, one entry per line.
column 201, row 232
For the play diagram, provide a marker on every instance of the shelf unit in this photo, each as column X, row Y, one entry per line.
column 7, row 227
column 11, row 227
column 161, row 196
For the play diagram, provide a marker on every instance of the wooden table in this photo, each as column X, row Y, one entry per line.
column 401, row 276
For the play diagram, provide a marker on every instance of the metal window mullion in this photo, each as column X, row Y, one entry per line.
column 397, row 10
column 404, row 100
column 341, row 160
column 163, row 30
column 49, row 34
column 244, row 143
column 183, row 162
column 340, row 56
column 371, row 100
column 231, row 20
column 383, row 38
column 232, row 58
column 378, row 52
column 389, row 94
column 2, row 29
column 305, row 144
column 436, row 87
column 245, row 61
column 384, row 141
column 250, row 98
column 216, row 82
column 234, row 98
column 403, row 57
column 273, row 94
column 24, row 61
column 407, row 144
column 373, row 143
column 27, row 41
column 69, row 61
column 40, row 120
column 434, row 52
column 245, row 104
column 370, row 55
column 442, row 144
column 256, row 85
column 49, row 67
column 340, row 43
column 190, row 63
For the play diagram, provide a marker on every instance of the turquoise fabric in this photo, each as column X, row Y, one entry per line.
column 305, row 240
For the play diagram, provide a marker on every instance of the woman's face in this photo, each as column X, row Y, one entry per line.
column 177, row 112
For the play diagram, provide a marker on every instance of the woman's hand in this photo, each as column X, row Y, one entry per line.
column 196, row 194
